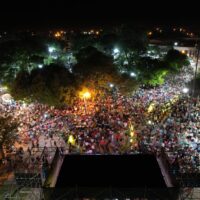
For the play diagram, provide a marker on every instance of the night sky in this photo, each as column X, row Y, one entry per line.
column 97, row 12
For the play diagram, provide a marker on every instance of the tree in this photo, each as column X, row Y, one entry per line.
column 108, row 42
column 176, row 60
column 157, row 77
column 94, row 68
column 8, row 132
column 26, row 53
column 127, row 84
column 80, row 41
column 20, row 55
column 96, row 71
column 91, row 61
column 132, row 43
column 53, row 85
column 152, row 71
column 133, row 39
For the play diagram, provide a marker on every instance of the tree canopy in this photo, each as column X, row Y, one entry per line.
column 97, row 71
column 152, row 71
column 17, row 55
column 52, row 85
column 27, row 53
column 80, row 41
column 176, row 60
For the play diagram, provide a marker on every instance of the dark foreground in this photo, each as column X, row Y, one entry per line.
column 110, row 171
column 111, row 177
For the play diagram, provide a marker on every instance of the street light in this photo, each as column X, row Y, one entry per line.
column 51, row 49
column 116, row 50
column 175, row 43
column 40, row 66
column 55, row 57
column 196, row 69
column 85, row 95
column 111, row 85
column 185, row 90
column 183, row 51
column 132, row 74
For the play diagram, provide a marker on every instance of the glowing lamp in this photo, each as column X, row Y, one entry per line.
column 40, row 66
column 183, row 51
column 111, row 85
column 86, row 95
column 51, row 49
column 132, row 74
column 116, row 50
column 175, row 43
column 185, row 90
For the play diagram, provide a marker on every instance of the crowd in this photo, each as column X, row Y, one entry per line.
column 180, row 135
column 151, row 119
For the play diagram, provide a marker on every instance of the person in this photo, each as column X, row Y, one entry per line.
column 29, row 151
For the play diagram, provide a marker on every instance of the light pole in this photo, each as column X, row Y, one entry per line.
column 85, row 106
column 86, row 96
column 195, row 73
